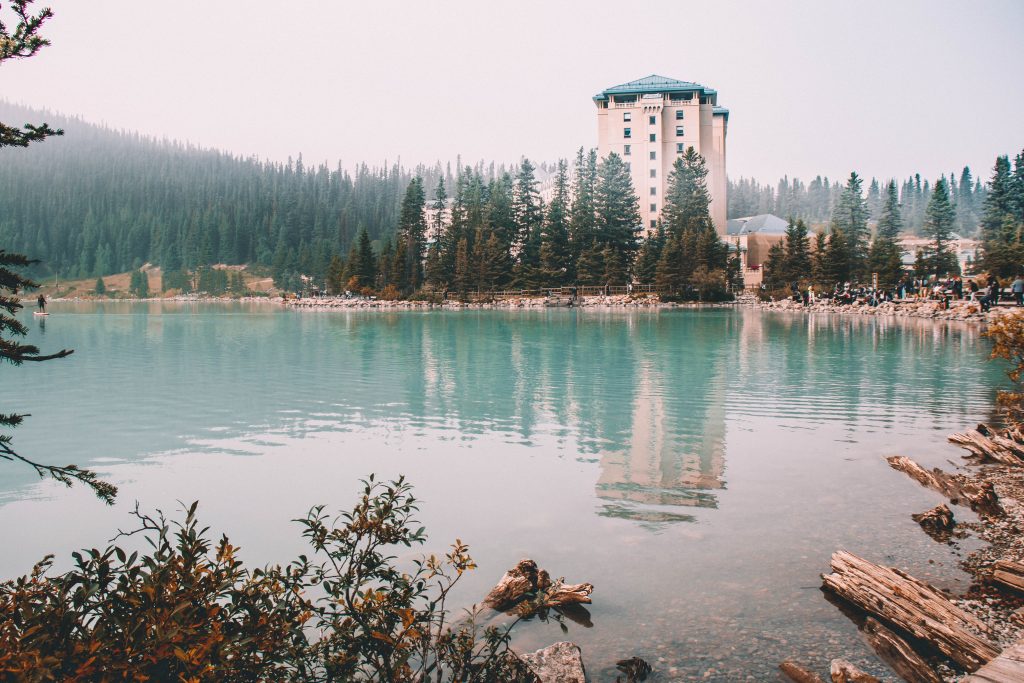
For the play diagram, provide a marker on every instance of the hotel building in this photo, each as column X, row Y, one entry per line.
column 650, row 122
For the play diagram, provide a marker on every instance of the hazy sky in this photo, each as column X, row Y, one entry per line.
column 884, row 88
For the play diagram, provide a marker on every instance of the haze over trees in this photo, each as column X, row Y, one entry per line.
column 816, row 201
column 19, row 43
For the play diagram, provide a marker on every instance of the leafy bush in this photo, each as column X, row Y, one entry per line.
column 188, row 610
column 1007, row 336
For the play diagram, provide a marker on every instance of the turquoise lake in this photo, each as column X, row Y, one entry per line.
column 698, row 467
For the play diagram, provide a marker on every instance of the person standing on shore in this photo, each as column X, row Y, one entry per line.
column 1018, row 290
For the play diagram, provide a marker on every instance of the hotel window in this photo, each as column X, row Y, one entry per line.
column 654, row 208
column 653, row 120
column 679, row 147
column 654, row 224
column 654, row 173
column 654, row 155
column 653, row 137
column 654, row 191
column 627, row 116
column 627, row 132
column 679, row 114
column 628, row 166
column 679, row 131
column 627, row 150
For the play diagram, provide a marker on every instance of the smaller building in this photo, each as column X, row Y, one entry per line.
column 754, row 236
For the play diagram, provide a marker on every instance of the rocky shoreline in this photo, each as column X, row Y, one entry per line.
column 965, row 311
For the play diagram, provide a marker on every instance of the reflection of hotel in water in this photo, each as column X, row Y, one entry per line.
column 676, row 454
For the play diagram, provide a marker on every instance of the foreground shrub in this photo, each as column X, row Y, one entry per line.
column 188, row 609
column 1006, row 333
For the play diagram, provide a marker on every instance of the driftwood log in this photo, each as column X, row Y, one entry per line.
column 989, row 445
column 1009, row 574
column 979, row 497
column 938, row 520
column 526, row 588
column 911, row 606
column 898, row 654
column 798, row 674
column 842, row 671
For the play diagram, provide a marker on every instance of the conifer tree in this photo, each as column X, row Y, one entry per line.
column 618, row 223
column 463, row 269
column 335, row 275
column 650, row 255
column 555, row 252
column 412, row 231
column 139, row 284
column 835, row 263
column 886, row 256
column 940, row 217
column 100, row 287
column 851, row 217
column 361, row 269
column 526, row 207
column 590, row 267
column 687, row 200
column 582, row 217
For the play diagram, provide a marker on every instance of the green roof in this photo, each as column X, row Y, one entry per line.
column 653, row 84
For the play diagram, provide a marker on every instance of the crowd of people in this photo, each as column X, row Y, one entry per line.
column 984, row 289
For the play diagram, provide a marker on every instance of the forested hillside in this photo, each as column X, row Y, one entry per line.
column 97, row 201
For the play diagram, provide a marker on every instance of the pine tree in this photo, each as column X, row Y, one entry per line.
column 886, row 256
column 582, row 217
column 851, row 217
column 139, row 284
column 463, row 269
column 687, row 200
column 775, row 271
column 361, row 268
column 590, row 267
column 555, row 252
column 835, row 263
column 618, row 222
column 940, row 218
column 526, row 206
column 412, row 231
column 100, row 287
column 650, row 254
column 335, row 276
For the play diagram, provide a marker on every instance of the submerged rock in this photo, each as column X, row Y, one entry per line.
column 558, row 663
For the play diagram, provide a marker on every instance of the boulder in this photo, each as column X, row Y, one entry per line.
column 558, row 663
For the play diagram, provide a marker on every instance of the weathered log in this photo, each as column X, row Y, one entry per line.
column 798, row 674
column 979, row 497
column 1009, row 574
column 844, row 672
column 938, row 519
column 527, row 589
column 1006, row 668
column 898, row 654
column 911, row 606
column 989, row 445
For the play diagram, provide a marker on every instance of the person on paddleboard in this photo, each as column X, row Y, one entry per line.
column 41, row 303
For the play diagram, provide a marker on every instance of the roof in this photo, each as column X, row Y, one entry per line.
column 653, row 84
column 720, row 111
column 765, row 223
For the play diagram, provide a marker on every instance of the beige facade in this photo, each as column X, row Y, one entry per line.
column 650, row 122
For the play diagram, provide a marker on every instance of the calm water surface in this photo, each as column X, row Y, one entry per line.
column 698, row 467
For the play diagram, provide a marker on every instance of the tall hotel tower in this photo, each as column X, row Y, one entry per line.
column 649, row 123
